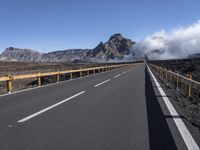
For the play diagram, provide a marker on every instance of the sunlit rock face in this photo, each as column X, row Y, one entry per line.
column 115, row 49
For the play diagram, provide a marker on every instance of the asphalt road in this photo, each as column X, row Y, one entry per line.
column 115, row 110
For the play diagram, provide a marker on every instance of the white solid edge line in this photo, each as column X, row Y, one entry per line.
column 187, row 137
column 48, row 108
column 102, row 83
column 117, row 76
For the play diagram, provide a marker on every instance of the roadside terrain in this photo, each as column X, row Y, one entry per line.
column 183, row 66
column 189, row 106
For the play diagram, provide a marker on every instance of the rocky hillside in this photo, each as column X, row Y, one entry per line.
column 197, row 55
column 116, row 48
column 16, row 54
column 27, row 55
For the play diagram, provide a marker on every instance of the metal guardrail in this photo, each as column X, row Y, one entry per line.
column 9, row 79
column 169, row 75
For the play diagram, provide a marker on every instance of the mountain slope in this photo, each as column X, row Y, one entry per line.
column 115, row 49
column 197, row 55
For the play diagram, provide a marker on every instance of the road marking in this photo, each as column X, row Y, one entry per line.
column 117, row 76
column 124, row 72
column 50, row 107
column 187, row 137
column 102, row 83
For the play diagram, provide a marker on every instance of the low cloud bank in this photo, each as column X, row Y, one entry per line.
column 178, row 43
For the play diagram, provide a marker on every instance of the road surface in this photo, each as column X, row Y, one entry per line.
column 115, row 110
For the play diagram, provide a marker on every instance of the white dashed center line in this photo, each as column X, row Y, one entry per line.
column 117, row 76
column 102, row 83
column 50, row 107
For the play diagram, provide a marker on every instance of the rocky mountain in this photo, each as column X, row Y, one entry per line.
column 116, row 48
column 28, row 55
column 197, row 55
column 16, row 54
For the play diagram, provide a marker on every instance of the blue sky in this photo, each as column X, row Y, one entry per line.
column 48, row 25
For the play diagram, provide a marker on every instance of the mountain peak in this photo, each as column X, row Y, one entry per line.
column 116, row 48
column 116, row 36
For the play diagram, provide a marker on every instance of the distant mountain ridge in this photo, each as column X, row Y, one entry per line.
column 197, row 55
column 115, row 49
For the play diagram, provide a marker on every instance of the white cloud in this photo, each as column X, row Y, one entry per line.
column 178, row 43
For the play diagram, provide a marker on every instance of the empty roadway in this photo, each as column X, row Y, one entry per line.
column 115, row 110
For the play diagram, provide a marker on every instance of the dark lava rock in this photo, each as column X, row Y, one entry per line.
column 197, row 55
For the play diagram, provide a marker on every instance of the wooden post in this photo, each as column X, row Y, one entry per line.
column 9, row 85
column 163, row 73
column 71, row 75
column 80, row 73
column 177, row 82
column 170, row 79
column 57, row 77
column 160, row 71
column 39, row 81
column 190, row 88
column 166, row 73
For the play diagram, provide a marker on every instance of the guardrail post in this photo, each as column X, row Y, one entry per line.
column 190, row 88
column 80, row 73
column 71, row 76
column 39, row 81
column 9, row 84
column 159, row 71
column 58, row 77
column 170, row 79
column 177, row 82
column 163, row 73
column 166, row 73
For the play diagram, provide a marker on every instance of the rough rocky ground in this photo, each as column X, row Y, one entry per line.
column 189, row 106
